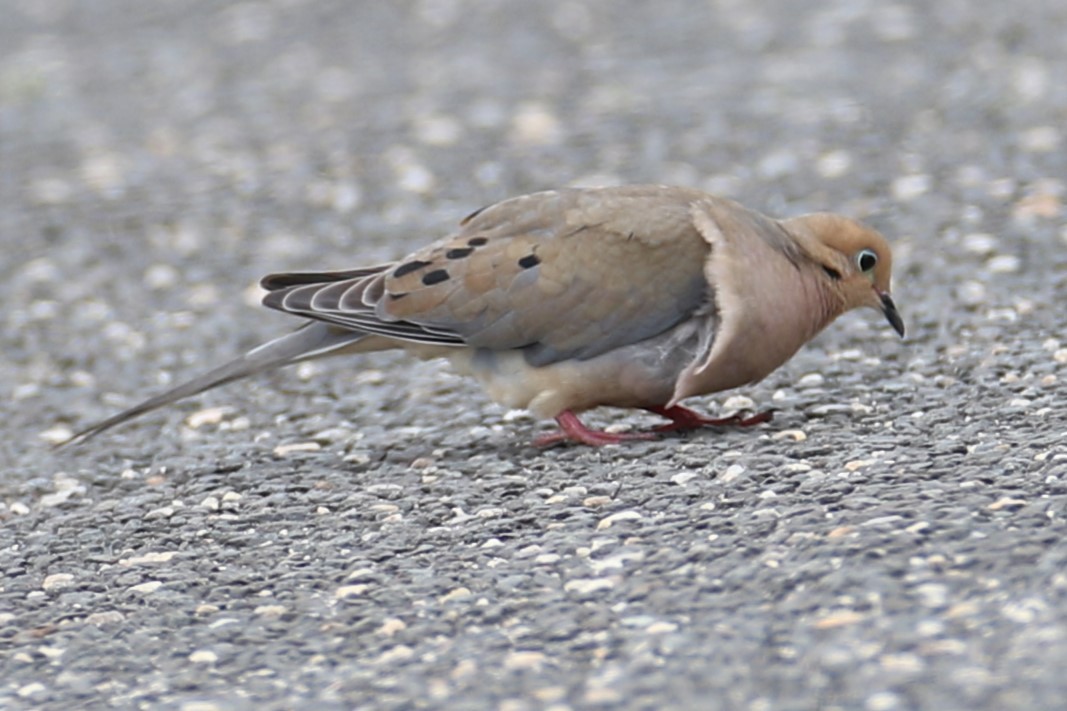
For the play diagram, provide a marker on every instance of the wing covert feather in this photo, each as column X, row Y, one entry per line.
column 563, row 274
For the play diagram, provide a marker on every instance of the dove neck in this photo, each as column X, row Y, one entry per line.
column 827, row 305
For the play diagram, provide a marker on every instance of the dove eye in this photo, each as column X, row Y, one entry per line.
column 866, row 260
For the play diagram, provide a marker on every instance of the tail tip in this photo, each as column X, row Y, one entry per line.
column 60, row 436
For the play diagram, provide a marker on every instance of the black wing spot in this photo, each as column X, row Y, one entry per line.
column 530, row 260
column 408, row 267
column 478, row 241
column 435, row 277
column 459, row 252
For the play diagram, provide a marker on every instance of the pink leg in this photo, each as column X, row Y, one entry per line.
column 572, row 430
column 682, row 419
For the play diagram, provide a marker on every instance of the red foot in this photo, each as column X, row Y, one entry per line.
column 572, row 430
column 683, row 419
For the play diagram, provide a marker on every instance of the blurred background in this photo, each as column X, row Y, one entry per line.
column 166, row 155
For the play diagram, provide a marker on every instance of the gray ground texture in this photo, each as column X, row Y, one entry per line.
column 373, row 533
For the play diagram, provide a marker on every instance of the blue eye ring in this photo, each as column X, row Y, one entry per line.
column 866, row 260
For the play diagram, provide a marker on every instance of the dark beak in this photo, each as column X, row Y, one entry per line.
column 891, row 313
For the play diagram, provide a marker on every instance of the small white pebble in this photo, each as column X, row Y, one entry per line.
column 40, row 270
column 932, row 594
column 438, row 130
column 661, row 627
column 739, row 402
column 57, row 434
column 24, row 391
column 525, row 660
column 460, row 593
column 399, row 653
column 57, row 581
column 732, row 473
column 1024, row 612
column 588, row 585
column 882, row 701
column 534, row 124
column 778, row 163
column 833, row 164
column 1003, row 264
column 981, row 243
column 1006, row 502
column 110, row 617
column 284, row 450
column 161, row 557
column 370, row 377
column 203, row 656
column 270, row 610
column 161, row 512
column 201, row 296
column 909, row 187
column 361, row 574
column 160, row 276
column 614, row 518
column 146, row 588
column 333, row 434
column 224, row 622
column 207, row 416
column 971, row 293
column 307, row 370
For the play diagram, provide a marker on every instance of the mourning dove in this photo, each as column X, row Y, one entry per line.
column 562, row 301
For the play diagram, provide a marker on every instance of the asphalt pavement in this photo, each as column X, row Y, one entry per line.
column 373, row 533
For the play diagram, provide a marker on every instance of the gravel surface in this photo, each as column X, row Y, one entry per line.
column 373, row 533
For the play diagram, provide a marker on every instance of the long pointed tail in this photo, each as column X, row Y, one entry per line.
column 311, row 341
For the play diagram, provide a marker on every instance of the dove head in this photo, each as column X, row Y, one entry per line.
column 856, row 260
